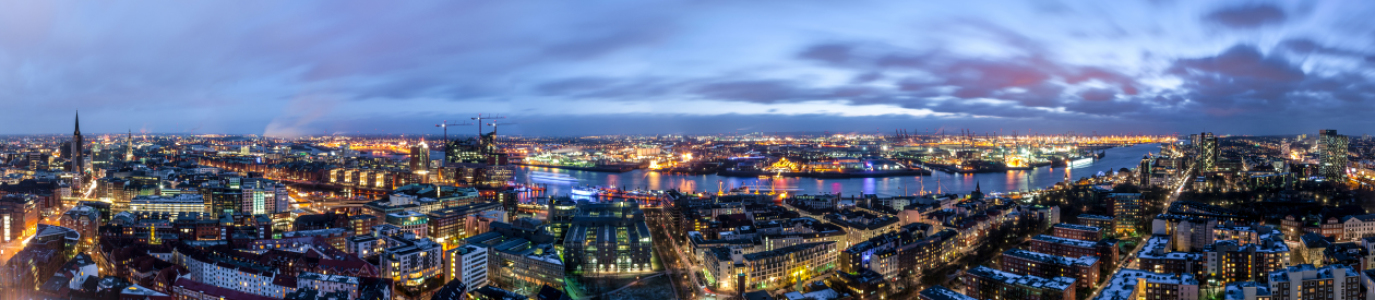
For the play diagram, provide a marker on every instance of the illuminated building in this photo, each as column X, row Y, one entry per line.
column 609, row 238
column 468, row 264
column 1078, row 232
column 262, row 196
column 987, row 283
column 521, row 255
column 1126, row 210
column 1144, row 171
column 1208, row 151
column 18, row 217
column 411, row 261
column 183, row 203
column 420, row 157
column 1333, row 282
column 787, row 265
column 1332, row 150
column 1084, row 268
column 1141, row 284
column 421, row 198
column 413, row 222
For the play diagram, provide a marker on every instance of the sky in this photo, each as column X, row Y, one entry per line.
column 289, row 68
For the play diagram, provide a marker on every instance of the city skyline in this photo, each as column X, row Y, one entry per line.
column 286, row 69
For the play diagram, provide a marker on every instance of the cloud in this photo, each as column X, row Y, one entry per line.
column 1241, row 61
column 246, row 67
column 1247, row 17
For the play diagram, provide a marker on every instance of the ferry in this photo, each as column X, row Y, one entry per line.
column 585, row 191
column 552, row 176
column 1080, row 162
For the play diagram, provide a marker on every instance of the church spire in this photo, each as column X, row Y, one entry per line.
column 78, row 123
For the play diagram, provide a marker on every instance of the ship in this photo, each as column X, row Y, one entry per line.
column 586, row 191
column 552, row 176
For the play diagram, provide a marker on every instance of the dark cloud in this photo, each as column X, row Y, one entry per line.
column 1247, row 17
column 1241, row 82
column 1303, row 46
column 1241, row 62
column 1097, row 94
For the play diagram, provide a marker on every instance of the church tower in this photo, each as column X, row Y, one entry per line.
column 129, row 147
column 78, row 157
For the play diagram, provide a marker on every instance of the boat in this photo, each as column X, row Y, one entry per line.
column 586, row 191
column 552, row 176
column 1080, row 162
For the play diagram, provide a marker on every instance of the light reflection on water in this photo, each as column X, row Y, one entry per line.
column 1020, row 180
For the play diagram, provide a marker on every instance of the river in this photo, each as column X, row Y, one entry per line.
column 1116, row 158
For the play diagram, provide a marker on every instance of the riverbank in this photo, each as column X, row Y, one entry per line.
column 611, row 169
column 832, row 175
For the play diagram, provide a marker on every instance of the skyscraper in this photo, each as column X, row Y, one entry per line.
column 1332, row 154
column 1208, row 150
column 78, row 157
column 1144, row 171
column 420, row 157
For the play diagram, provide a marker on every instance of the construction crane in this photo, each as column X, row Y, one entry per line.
column 479, row 119
column 446, row 125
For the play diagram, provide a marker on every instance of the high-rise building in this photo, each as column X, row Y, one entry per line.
column 78, row 157
column 420, row 157
column 1208, row 150
column 1332, row 154
column 1144, row 171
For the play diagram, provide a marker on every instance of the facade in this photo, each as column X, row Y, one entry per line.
column 1334, row 282
column 788, row 265
column 412, row 261
column 911, row 249
column 262, row 196
column 1155, row 256
column 1209, row 153
column 1108, row 224
column 1059, row 246
column 18, row 217
column 467, row 263
column 84, row 220
column 987, row 283
column 1332, row 149
column 1126, row 210
column 181, row 203
column 1230, row 260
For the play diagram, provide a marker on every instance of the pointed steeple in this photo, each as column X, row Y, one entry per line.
column 976, row 187
column 78, row 123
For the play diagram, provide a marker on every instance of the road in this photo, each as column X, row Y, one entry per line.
column 681, row 271
column 1174, row 195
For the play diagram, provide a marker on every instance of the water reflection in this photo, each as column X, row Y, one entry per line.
column 1020, row 180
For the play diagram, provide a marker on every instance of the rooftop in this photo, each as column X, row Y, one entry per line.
column 942, row 293
column 1065, row 241
column 1124, row 282
column 1057, row 283
column 1052, row 259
